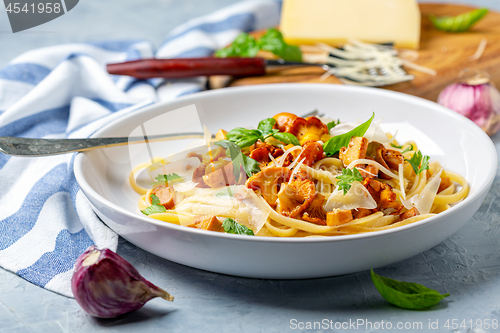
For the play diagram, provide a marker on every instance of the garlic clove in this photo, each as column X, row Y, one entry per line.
column 105, row 285
column 476, row 99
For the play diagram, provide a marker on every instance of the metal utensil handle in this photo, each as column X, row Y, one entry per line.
column 16, row 146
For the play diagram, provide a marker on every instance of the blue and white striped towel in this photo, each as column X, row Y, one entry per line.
column 65, row 92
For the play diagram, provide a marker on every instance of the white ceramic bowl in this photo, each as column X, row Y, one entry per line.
column 455, row 141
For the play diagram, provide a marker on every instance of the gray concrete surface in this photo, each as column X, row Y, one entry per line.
column 467, row 265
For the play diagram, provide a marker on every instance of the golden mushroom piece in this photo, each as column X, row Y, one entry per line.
column 284, row 120
column 295, row 197
column 220, row 173
column 166, row 196
column 315, row 213
column 267, row 182
column 312, row 151
column 309, row 129
column 387, row 157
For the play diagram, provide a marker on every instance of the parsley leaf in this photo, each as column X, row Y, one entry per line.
column 162, row 179
column 407, row 295
column 232, row 227
column 407, row 149
column 155, row 207
column 233, row 151
column 287, row 138
column 347, row 178
column 419, row 162
column 244, row 137
column 334, row 144
column 332, row 124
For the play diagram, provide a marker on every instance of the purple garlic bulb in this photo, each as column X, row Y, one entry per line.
column 106, row 285
column 477, row 99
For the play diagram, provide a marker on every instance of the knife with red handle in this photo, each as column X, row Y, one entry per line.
column 189, row 67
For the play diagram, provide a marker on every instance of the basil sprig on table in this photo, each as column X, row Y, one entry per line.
column 459, row 23
column 232, row 227
column 407, row 295
column 247, row 46
column 233, row 151
column 243, row 46
column 155, row 207
column 272, row 41
column 246, row 137
column 333, row 145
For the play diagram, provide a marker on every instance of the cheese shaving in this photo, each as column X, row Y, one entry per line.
column 419, row 68
column 402, row 180
column 364, row 64
column 274, row 161
column 295, row 161
column 294, row 171
column 285, row 154
column 411, row 55
column 371, row 162
column 480, row 50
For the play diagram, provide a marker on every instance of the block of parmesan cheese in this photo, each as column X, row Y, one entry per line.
column 335, row 21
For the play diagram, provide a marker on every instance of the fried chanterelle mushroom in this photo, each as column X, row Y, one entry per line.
column 284, row 121
column 315, row 213
column 308, row 129
column 166, row 196
column 268, row 182
column 295, row 197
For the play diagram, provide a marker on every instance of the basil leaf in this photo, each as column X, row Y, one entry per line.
column 162, row 179
column 250, row 165
column 406, row 295
column 419, row 162
column 233, row 151
column 459, row 23
column 266, row 126
column 232, row 227
column 155, row 207
column 332, row 124
column 243, row 46
column 226, row 192
column 273, row 41
column 334, row 144
column 286, row 138
column 246, row 46
column 347, row 178
column 396, row 146
column 154, row 199
column 244, row 137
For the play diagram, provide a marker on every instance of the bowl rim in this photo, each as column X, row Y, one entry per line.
column 86, row 188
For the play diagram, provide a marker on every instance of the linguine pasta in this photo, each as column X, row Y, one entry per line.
column 296, row 177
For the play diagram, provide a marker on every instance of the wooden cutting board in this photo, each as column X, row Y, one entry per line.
column 446, row 53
